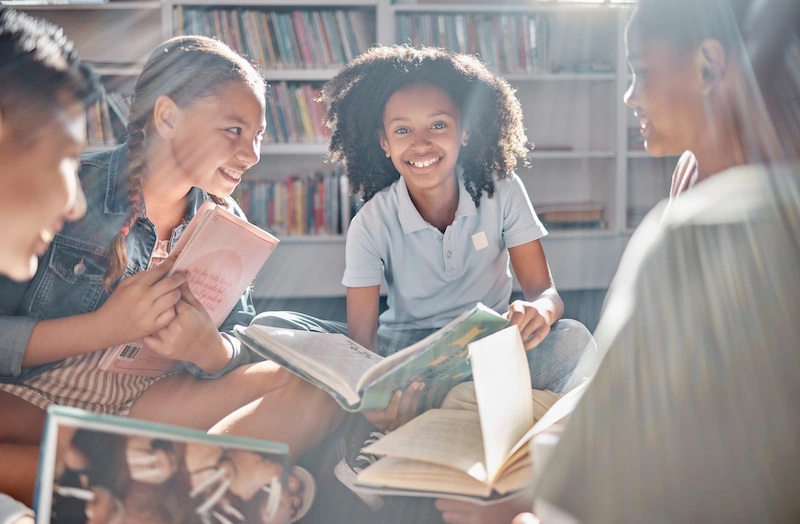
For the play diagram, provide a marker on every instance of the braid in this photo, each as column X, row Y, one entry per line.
column 185, row 69
column 136, row 170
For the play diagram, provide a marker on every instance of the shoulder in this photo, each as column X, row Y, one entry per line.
column 379, row 209
column 508, row 191
column 736, row 195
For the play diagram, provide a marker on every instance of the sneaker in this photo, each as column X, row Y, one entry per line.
column 355, row 460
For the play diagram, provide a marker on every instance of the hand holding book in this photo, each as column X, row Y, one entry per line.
column 217, row 256
column 191, row 328
column 141, row 304
column 402, row 408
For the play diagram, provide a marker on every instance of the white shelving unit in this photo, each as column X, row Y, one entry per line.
column 577, row 120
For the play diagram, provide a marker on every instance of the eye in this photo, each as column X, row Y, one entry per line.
column 235, row 130
column 402, row 131
column 439, row 125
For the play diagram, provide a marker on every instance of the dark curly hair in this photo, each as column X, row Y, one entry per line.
column 490, row 112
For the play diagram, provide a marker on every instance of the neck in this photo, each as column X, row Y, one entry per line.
column 437, row 205
column 164, row 188
column 720, row 150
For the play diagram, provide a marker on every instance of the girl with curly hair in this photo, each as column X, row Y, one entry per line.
column 430, row 140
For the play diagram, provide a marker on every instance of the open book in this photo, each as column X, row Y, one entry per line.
column 222, row 254
column 123, row 470
column 361, row 380
column 478, row 456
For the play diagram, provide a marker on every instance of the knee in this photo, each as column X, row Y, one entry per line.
column 280, row 319
column 573, row 337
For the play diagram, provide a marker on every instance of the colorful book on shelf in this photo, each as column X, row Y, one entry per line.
column 221, row 255
column 360, row 380
column 100, row 468
column 481, row 456
column 577, row 212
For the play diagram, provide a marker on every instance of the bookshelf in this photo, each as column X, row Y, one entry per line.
column 572, row 104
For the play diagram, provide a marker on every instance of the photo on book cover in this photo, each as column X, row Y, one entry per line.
column 99, row 469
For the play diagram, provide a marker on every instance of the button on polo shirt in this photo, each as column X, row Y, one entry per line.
column 431, row 276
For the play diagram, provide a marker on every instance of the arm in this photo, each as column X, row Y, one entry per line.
column 542, row 305
column 231, row 354
column 533, row 273
column 140, row 305
column 362, row 315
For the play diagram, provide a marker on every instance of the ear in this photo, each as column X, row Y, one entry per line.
column 711, row 61
column 384, row 143
column 165, row 117
column 464, row 137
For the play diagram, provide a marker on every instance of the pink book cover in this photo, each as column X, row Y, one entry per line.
column 221, row 254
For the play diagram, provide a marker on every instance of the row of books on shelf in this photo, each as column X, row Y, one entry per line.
column 278, row 39
column 294, row 115
column 570, row 216
column 101, row 128
column 317, row 204
column 512, row 43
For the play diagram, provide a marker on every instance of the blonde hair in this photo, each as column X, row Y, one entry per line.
column 186, row 69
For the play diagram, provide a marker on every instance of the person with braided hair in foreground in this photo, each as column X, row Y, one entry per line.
column 195, row 127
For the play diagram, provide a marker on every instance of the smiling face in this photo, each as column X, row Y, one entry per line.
column 423, row 136
column 218, row 138
column 666, row 95
column 39, row 187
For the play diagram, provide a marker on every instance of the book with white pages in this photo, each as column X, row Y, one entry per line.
column 481, row 456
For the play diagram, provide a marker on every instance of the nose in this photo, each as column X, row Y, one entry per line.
column 78, row 207
column 421, row 142
column 250, row 154
column 630, row 96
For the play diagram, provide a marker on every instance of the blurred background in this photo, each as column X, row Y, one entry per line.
column 590, row 180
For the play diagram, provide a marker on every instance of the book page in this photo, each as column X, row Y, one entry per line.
column 560, row 411
column 439, row 360
column 398, row 473
column 503, row 391
column 440, row 436
column 331, row 358
column 221, row 259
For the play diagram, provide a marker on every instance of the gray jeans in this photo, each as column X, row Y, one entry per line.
column 556, row 364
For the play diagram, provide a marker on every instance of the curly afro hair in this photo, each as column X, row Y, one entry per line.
column 357, row 96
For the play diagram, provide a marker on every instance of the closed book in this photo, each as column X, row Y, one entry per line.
column 101, row 468
column 221, row 255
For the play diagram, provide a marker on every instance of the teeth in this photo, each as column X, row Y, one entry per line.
column 233, row 174
column 425, row 163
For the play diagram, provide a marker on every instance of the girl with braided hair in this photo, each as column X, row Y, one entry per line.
column 196, row 121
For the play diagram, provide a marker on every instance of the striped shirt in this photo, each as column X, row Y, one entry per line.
column 78, row 382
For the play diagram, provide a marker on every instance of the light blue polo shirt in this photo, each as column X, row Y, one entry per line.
column 433, row 277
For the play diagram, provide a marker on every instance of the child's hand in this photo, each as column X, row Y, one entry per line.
column 533, row 324
column 191, row 335
column 401, row 409
column 142, row 304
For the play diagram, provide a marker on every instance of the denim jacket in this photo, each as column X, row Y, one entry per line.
column 57, row 291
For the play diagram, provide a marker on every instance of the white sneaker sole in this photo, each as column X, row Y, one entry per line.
column 348, row 477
